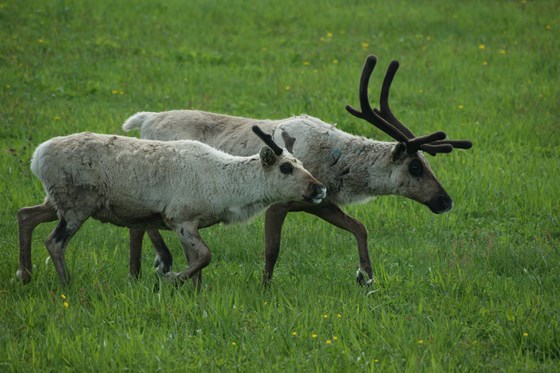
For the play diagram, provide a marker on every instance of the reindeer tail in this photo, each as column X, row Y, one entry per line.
column 137, row 120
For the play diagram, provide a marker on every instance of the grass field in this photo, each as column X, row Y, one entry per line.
column 475, row 289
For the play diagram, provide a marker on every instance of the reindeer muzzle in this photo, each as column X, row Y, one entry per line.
column 440, row 204
column 315, row 193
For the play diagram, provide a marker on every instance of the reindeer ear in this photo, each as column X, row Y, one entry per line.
column 268, row 157
column 398, row 150
column 288, row 141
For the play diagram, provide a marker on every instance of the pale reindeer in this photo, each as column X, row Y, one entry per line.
column 179, row 185
column 353, row 168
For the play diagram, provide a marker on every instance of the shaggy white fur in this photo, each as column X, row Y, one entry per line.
column 179, row 185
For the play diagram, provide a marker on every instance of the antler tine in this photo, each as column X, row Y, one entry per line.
column 446, row 146
column 385, row 120
column 435, row 149
column 459, row 144
column 416, row 143
column 267, row 139
column 367, row 112
column 385, row 111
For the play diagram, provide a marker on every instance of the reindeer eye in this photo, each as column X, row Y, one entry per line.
column 286, row 168
column 415, row 168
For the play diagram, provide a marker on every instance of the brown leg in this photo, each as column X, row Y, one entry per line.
column 56, row 245
column 334, row 215
column 28, row 218
column 135, row 260
column 274, row 219
column 164, row 259
column 197, row 254
column 196, row 278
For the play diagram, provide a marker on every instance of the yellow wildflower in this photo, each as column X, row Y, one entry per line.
column 481, row 46
column 313, row 335
column 328, row 341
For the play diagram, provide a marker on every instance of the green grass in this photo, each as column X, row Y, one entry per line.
column 472, row 290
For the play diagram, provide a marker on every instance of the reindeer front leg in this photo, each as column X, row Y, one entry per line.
column 164, row 259
column 197, row 253
column 136, row 237
column 335, row 216
column 274, row 219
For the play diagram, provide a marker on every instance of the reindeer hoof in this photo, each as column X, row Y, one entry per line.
column 162, row 268
column 361, row 278
column 23, row 276
column 172, row 278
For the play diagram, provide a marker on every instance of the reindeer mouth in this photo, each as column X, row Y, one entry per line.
column 319, row 193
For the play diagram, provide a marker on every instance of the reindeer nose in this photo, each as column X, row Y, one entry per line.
column 440, row 204
column 318, row 192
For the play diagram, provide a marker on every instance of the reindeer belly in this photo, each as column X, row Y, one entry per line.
column 129, row 216
column 154, row 221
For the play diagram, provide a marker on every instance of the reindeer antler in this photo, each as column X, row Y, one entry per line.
column 267, row 139
column 386, row 121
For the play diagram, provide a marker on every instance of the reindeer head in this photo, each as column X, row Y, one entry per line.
column 410, row 172
column 292, row 181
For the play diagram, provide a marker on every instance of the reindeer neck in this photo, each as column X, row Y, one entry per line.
column 248, row 187
column 356, row 169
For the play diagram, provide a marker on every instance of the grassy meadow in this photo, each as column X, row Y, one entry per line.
column 475, row 289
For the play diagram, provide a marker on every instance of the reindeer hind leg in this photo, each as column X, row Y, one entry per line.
column 56, row 245
column 28, row 218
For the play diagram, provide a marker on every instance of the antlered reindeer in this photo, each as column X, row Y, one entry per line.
column 352, row 168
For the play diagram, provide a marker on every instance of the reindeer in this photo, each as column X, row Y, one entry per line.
column 352, row 168
column 182, row 185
